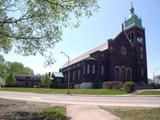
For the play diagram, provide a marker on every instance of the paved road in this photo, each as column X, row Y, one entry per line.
column 132, row 101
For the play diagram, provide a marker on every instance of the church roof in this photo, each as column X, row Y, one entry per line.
column 58, row 74
column 90, row 58
column 86, row 55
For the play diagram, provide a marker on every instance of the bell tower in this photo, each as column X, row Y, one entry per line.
column 136, row 35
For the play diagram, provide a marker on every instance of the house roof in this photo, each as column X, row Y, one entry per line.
column 24, row 76
column 85, row 55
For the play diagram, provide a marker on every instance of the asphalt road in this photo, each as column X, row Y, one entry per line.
column 130, row 101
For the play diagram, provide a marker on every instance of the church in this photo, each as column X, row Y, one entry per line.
column 122, row 58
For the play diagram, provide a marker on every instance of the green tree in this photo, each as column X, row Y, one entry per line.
column 2, row 67
column 1, row 59
column 18, row 68
column 34, row 26
column 2, row 70
column 2, row 82
column 46, row 81
column 27, row 70
column 10, row 80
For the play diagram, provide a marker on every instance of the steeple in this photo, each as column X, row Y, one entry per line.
column 133, row 20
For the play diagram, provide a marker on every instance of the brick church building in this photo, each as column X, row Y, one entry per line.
column 122, row 58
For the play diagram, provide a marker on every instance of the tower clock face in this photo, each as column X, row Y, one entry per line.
column 123, row 50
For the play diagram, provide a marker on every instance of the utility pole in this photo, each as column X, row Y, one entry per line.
column 68, row 71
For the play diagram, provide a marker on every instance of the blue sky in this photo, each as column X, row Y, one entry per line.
column 100, row 27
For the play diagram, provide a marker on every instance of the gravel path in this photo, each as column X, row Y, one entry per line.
column 84, row 112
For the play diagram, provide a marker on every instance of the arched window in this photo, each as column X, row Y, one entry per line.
column 73, row 75
column 132, row 37
column 84, row 69
column 123, row 73
column 128, row 75
column 102, row 69
column 141, row 56
column 79, row 74
column 116, row 74
column 129, row 36
column 93, row 69
column 142, row 72
column 141, row 49
column 88, row 68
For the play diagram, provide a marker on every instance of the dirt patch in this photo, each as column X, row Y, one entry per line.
column 20, row 110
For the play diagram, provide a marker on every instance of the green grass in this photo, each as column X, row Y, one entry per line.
column 136, row 113
column 150, row 93
column 64, row 91
column 55, row 113
column 23, row 110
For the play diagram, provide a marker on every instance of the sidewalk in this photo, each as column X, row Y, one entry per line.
column 84, row 112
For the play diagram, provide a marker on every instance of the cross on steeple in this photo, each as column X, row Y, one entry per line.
column 131, row 4
column 132, row 9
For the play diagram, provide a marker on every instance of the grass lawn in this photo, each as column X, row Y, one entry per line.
column 150, row 93
column 64, row 91
column 135, row 113
column 30, row 111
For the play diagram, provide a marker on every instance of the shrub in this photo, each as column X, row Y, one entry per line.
column 112, row 85
column 97, row 85
column 107, row 85
column 117, row 84
column 35, row 86
column 129, row 86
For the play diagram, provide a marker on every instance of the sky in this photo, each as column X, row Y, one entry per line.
column 97, row 29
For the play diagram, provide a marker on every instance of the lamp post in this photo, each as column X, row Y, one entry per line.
column 68, row 70
column 155, row 72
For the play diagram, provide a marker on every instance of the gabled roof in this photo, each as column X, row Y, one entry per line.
column 85, row 55
column 125, row 34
